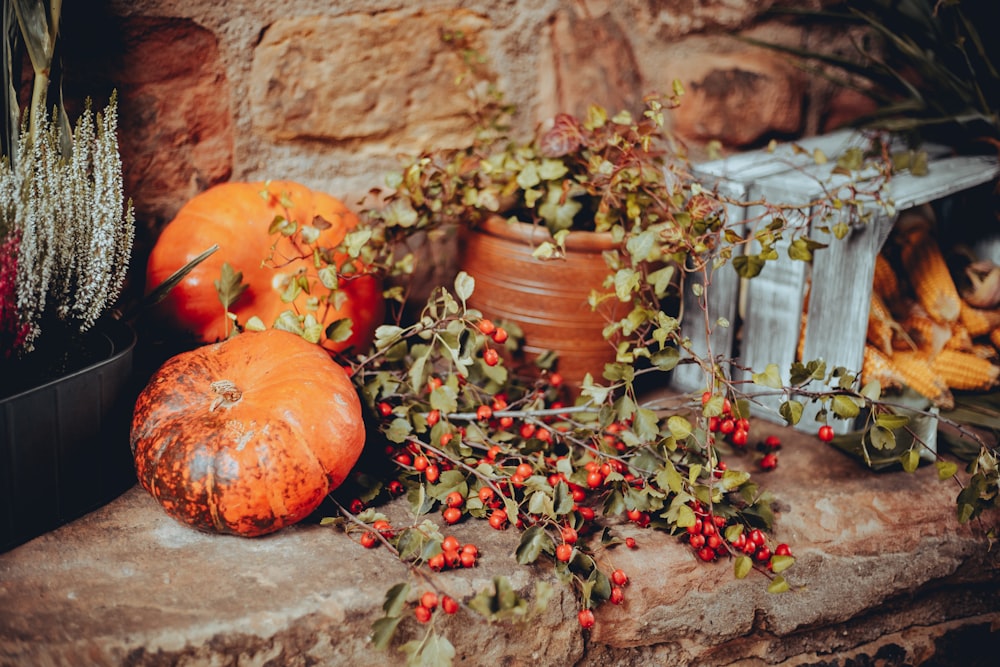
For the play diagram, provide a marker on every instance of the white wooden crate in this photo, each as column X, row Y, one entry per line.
column 841, row 274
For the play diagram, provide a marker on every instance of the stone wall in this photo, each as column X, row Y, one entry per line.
column 330, row 93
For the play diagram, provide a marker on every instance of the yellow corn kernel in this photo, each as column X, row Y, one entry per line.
column 878, row 367
column 979, row 321
column 962, row 370
column 886, row 282
column 916, row 372
column 880, row 324
column 929, row 276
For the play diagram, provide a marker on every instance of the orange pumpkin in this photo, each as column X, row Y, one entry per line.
column 237, row 217
column 246, row 436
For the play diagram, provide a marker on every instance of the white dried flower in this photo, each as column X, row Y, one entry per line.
column 76, row 230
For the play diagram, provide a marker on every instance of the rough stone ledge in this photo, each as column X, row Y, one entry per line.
column 884, row 575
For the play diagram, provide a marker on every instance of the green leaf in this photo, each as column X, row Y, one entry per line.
column 340, row 330
column 533, row 541
column 891, row 421
column 946, row 469
column 395, row 599
column 464, row 286
column 910, row 460
column 882, row 438
column 748, row 266
column 771, row 377
column 845, row 407
column 230, row 285
column 778, row 585
column 781, row 563
column 791, row 412
column 382, row 631
column 742, row 567
column 679, row 426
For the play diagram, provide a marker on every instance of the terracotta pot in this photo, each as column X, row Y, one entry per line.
column 546, row 298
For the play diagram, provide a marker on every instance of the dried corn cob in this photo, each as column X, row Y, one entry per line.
column 960, row 338
column 929, row 276
column 995, row 338
column 880, row 324
column 878, row 367
column 916, row 372
column 978, row 321
column 962, row 370
column 984, row 351
column 886, row 282
column 926, row 333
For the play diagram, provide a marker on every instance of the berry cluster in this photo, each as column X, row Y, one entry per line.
column 713, row 536
column 429, row 602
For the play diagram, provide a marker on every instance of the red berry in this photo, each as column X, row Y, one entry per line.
column 500, row 336
column 756, row 537
column 420, row 463
column 617, row 595
column 586, row 618
column 739, row 437
column 468, row 559
column 449, row 604
column 772, row 442
column 743, row 423
column 429, row 600
column 436, row 562
column 383, row 527
column 423, row 614
column 619, row 577
column 470, row 549
column 595, row 479
column 586, row 513
column 527, row 430
column 369, row 540
column 707, row 554
column 630, row 542
column 706, row 397
column 491, row 356
column 782, row 550
column 450, row 543
column 498, row 519
column 555, row 379
column 769, row 462
column 452, row 515
column 384, row 409
column 433, row 417
column 569, row 535
column 403, row 459
column 486, row 494
column 697, row 541
column 396, row 487
column 433, row 473
column 763, row 554
column 727, row 426
column 524, row 470
column 713, row 424
column 487, row 327
column 484, row 412
column 454, row 499
column 826, row 433
column 564, row 552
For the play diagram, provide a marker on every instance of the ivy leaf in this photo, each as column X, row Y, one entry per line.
column 339, row 330
column 910, row 460
column 433, row 651
column 742, row 567
column 748, row 266
column 230, row 285
column 781, row 563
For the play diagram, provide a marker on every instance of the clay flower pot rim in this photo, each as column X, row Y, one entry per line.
column 514, row 230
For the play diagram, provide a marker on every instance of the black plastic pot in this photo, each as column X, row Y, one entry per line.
column 64, row 447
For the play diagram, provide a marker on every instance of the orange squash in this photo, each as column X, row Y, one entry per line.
column 246, row 436
column 237, row 217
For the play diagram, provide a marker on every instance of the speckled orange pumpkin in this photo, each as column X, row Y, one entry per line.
column 246, row 436
column 237, row 217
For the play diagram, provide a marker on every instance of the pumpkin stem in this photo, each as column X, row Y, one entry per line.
column 228, row 394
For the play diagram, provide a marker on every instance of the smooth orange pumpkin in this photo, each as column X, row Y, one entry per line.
column 246, row 436
column 237, row 217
